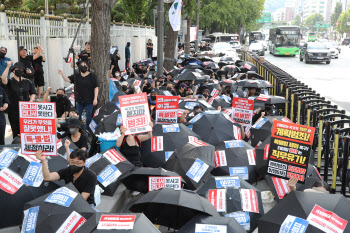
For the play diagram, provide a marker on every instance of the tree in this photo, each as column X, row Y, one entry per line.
column 343, row 20
column 135, row 10
column 297, row 20
column 100, row 44
column 12, row 4
column 337, row 12
column 312, row 20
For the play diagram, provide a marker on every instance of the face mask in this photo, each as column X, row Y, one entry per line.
column 169, row 89
column 117, row 74
column 19, row 73
column 153, row 98
column 124, row 88
column 197, row 111
column 73, row 130
column 84, row 58
column 205, row 95
column 59, row 96
column 75, row 169
column 2, row 55
column 83, row 69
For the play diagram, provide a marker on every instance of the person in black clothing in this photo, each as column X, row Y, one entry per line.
column 186, row 118
column 19, row 89
column 82, row 177
column 149, row 49
column 63, row 104
column 86, row 90
column 4, row 101
column 115, row 57
column 27, row 62
column 76, row 134
column 181, row 92
column 38, row 67
column 130, row 145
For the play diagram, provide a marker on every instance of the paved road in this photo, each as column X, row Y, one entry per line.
column 331, row 81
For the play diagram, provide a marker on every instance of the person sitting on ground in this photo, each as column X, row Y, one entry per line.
column 317, row 187
column 130, row 145
column 76, row 134
column 82, row 177
column 63, row 104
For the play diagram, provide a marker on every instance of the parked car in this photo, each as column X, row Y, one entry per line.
column 257, row 48
column 332, row 49
column 223, row 49
column 315, row 51
column 236, row 45
column 337, row 46
column 346, row 41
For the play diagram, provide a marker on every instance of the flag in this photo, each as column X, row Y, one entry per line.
column 175, row 15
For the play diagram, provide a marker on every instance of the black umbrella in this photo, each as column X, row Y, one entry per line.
column 109, row 123
column 211, row 65
column 105, row 111
column 262, row 155
column 171, row 142
column 255, row 75
column 190, row 75
column 62, row 149
column 101, row 163
column 131, row 81
column 193, row 67
column 137, row 180
column 12, row 205
column 232, row 226
column 213, row 86
column 52, row 216
column 205, row 58
column 246, row 83
column 116, row 97
column 301, row 204
column 278, row 186
column 271, row 99
column 230, row 68
column 141, row 224
column 172, row 208
column 193, row 162
column 235, row 158
column 227, row 82
column 247, row 66
column 215, row 128
column 234, row 195
column 174, row 72
column 221, row 102
column 261, row 130
column 190, row 104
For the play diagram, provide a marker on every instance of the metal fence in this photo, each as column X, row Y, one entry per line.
column 307, row 107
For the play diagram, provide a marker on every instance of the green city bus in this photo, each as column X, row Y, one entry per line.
column 311, row 36
column 284, row 40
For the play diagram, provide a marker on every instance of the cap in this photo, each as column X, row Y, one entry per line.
column 22, row 48
column 125, row 83
column 18, row 65
column 73, row 122
column 183, row 85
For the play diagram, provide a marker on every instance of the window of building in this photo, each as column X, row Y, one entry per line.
column 321, row 7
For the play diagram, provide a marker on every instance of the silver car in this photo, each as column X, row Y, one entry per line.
column 332, row 49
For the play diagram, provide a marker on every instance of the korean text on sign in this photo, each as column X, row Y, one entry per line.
column 38, row 128
column 242, row 110
column 135, row 113
column 167, row 107
column 289, row 151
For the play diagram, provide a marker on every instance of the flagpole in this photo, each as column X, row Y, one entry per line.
column 197, row 22
column 160, row 38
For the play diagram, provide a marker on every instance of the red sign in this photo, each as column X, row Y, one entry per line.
column 10, row 182
column 38, row 128
column 135, row 113
column 220, row 158
column 119, row 222
column 249, row 200
column 217, row 197
column 281, row 186
column 242, row 110
column 157, row 144
column 113, row 156
column 72, row 223
column 158, row 182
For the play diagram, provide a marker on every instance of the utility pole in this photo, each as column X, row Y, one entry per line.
column 160, row 38
column 197, row 22
column 46, row 7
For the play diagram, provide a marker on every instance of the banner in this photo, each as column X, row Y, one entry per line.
column 135, row 113
column 38, row 128
column 249, row 200
column 6, row 157
column 227, row 182
column 293, row 224
column 242, row 110
column 113, row 156
column 281, row 186
column 72, row 223
column 220, row 158
column 62, row 196
column 166, row 109
column 175, row 15
column 108, row 175
column 157, row 144
column 326, row 221
column 29, row 220
column 33, row 176
column 10, row 182
column 207, row 228
column 290, row 149
column 240, row 171
column 243, row 218
column 217, row 197
column 197, row 170
column 158, row 182
column 118, row 222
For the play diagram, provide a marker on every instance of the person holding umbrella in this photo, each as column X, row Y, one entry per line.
column 82, row 178
column 130, row 145
column 185, row 117
column 317, row 187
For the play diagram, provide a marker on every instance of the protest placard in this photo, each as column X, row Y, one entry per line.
column 158, row 182
column 166, row 109
column 72, row 223
column 118, row 222
column 217, row 197
column 242, row 110
column 207, row 228
column 38, row 128
column 249, row 200
column 135, row 113
column 293, row 224
column 243, row 218
column 62, row 196
column 10, row 182
column 29, row 220
column 290, row 149
column 108, row 175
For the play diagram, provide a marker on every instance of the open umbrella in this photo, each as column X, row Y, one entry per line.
column 221, row 102
column 236, row 198
column 301, row 204
column 174, row 72
column 108, row 166
column 248, row 66
column 192, row 62
column 262, row 154
column 227, row 82
column 61, row 149
column 212, row 86
column 190, row 104
column 211, row 65
column 235, row 158
column 261, row 130
column 109, row 123
column 190, row 75
column 137, row 180
column 172, row 208
column 230, row 68
column 255, row 75
column 141, row 223
column 215, row 128
column 171, row 142
column 217, row 223
column 193, row 162
column 69, row 206
column 270, row 99
column 246, row 83
column 116, row 97
column 205, row 59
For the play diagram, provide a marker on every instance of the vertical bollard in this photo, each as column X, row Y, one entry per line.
column 308, row 116
column 319, row 147
column 298, row 113
column 287, row 97
column 345, row 164
column 292, row 107
column 335, row 162
column 326, row 152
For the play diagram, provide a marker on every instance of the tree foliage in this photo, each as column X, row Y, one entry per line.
column 343, row 20
column 337, row 12
column 311, row 22
column 297, row 20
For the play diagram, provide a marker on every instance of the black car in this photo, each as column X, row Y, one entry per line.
column 315, row 51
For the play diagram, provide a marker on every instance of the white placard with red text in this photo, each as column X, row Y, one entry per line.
column 113, row 156
column 10, row 182
column 249, row 200
column 242, row 110
column 326, row 221
column 157, row 144
column 38, row 128
column 72, row 223
column 281, row 186
column 220, row 158
column 166, row 109
column 158, row 182
column 117, row 222
column 217, row 197
column 135, row 113
column 251, row 156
